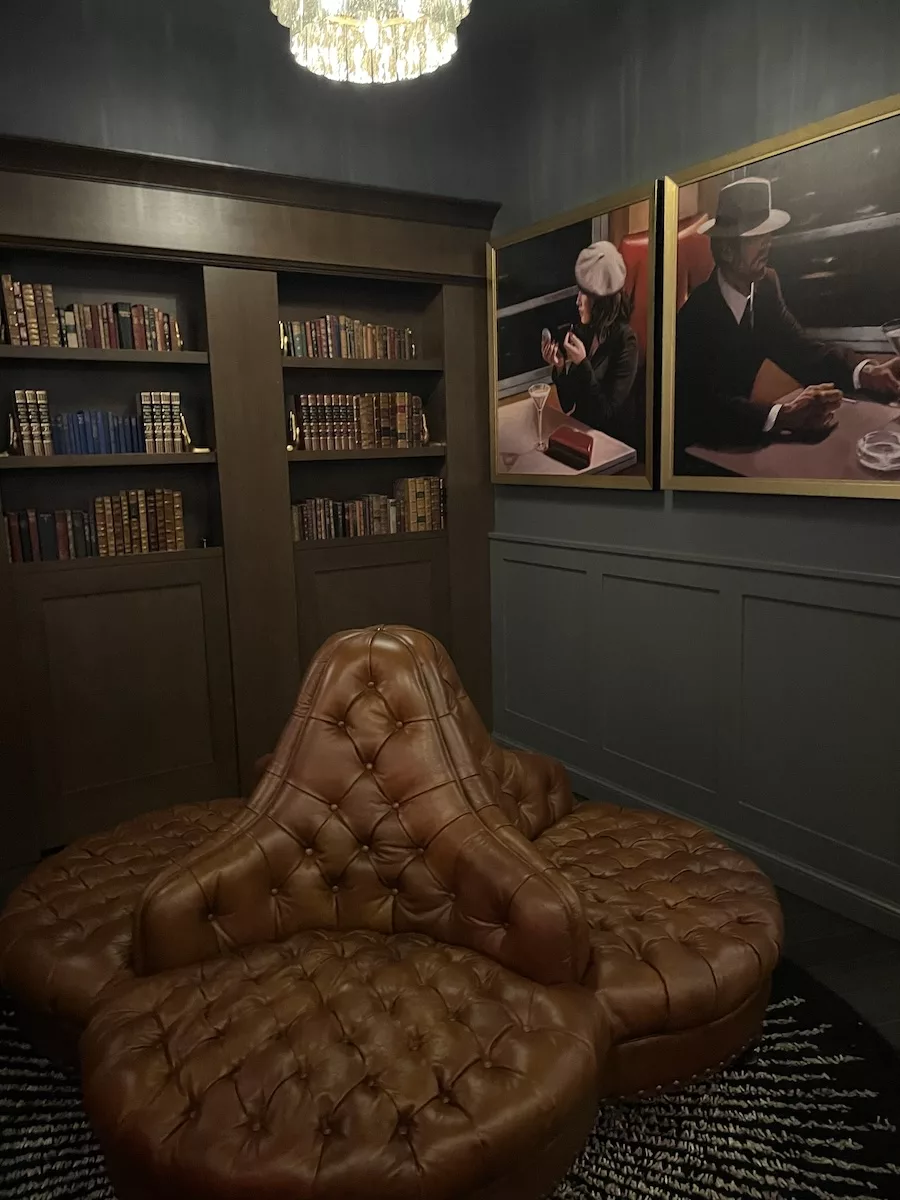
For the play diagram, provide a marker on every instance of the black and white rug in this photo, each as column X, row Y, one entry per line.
column 812, row 1114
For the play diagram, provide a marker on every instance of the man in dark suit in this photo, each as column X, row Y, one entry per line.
column 736, row 320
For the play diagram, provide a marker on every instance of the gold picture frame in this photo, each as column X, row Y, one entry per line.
column 642, row 474
column 846, row 452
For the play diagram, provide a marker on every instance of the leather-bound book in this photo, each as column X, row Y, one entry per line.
column 152, row 528
column 573, row 447
column 9, row 307
column 124, row 327
column 21, row 318
column 50, row 544
column 52, row 318
column 100, row 525
column 41, row 314
column 79, row 535
column 28, row 536
column 31, row 315
column 114, row 541
column 143, row 526
column 15, row 537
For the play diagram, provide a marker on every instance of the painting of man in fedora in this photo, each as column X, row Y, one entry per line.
column 747, row 374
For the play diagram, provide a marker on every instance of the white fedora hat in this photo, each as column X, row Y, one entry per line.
column 745, row 210
column 600, row 270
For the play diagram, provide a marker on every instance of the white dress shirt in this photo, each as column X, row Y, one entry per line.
column 738, row 303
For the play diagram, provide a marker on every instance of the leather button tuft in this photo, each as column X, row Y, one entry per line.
column 487, row 1064
column 211, row 916
column 371, row 683
column 399, row 725
column 370, row 766
column 333, row 807
column 255, row 1126
column 395, row 892
column 309, row 852
column 335, row 889
column 342, row 724
column 395, row 807
column 365, row 849
column 274, row 891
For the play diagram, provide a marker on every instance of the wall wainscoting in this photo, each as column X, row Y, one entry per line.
column 756, row 698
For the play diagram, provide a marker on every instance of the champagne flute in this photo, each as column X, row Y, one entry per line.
column 539, row 393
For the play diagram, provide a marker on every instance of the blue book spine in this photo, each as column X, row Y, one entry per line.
column 56, row 435
column 103, row 432
column 70, row 433
column 94, row 431
column 80, row 433
column 126, row 430
column 135, row 434
column 114, row 430
column 108, row 434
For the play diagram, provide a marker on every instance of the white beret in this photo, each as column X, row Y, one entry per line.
column 600, row 270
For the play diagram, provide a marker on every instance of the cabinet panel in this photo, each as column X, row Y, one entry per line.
column 128, row 690
column 345, row 586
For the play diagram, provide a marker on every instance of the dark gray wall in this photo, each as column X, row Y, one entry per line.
column 214, row 80
column 726, row 657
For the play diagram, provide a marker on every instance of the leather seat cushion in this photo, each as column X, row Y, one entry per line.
column 684, row 931
column 66, row 932
column 339, row 1065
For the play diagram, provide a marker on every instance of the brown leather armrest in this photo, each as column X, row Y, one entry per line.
column 375, row 813
column 532, row 789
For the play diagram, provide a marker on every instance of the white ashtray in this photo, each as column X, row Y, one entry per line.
column 880, row 450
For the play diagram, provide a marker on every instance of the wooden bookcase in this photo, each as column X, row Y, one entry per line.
column 131, row 683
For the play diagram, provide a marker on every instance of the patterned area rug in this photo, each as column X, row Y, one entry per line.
column 812, row 1113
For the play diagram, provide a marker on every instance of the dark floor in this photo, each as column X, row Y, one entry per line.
column 859, row 964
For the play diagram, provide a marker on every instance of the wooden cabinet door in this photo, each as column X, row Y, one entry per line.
column 352, row 584
column 128, row 688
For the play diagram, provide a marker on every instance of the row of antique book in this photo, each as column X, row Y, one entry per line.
column 132, row 522
column 343, row 337
column 158, row 427
column 366, row 422
column 31, row 318
column 417, row 506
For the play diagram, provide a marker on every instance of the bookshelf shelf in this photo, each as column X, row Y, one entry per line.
column 377, row 539
column 419, row 365
column 64, row 354
column 119, row 560
column 438, row 450
column 62, row 461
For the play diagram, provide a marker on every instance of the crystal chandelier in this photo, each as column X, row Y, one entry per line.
column 372, row 41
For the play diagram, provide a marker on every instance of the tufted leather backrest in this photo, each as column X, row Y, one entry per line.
column 376, row 812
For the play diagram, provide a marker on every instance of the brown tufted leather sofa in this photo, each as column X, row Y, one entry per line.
column 408, row 966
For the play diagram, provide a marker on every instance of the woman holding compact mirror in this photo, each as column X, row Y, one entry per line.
column 595, row 362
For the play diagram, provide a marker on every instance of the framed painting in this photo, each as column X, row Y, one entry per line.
column 781, row 314
column 571, row 325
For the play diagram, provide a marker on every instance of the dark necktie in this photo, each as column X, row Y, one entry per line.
column 747, row 319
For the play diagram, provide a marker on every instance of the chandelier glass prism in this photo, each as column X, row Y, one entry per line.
column 372, row 41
